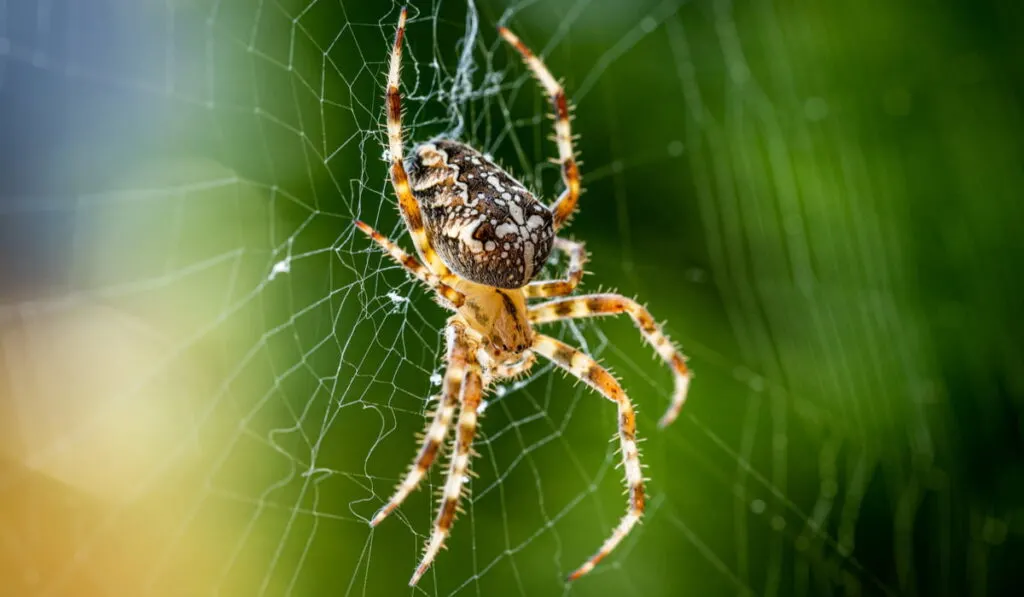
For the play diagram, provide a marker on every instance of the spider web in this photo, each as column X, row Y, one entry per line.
column 189, row 295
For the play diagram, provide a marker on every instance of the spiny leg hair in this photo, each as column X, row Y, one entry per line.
column 515, row 369
column 548, row 288
column 454, row 298
column 611, row 304
column 472, row 393
column 457, row 357
column 587, row 370
column 566, row 203
column 399, row 178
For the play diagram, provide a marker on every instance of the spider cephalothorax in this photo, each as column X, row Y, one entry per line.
column 483, row 238
column 484, row 224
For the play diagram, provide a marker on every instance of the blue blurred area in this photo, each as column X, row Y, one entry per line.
column 72, row 117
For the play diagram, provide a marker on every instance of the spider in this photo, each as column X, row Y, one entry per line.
column 481, row 237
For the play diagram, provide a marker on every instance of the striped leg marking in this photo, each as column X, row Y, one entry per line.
column 472, row 392
column 454, row 297
column 566, row 203
column 548, row 288
column 516, row 369
column 399, row 178
column 610, row 304
column 456, row 356
column 587, row 370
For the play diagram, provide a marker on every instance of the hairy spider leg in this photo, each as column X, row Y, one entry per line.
column 548, row 288
column 399, row 178
column 566, row 203
column 457, row 357
column 593, row 305
column 588, row 371
column 454, row 297
column 472, row 393
column 515, row 369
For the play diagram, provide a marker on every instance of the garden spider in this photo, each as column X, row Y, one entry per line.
column 482, row 237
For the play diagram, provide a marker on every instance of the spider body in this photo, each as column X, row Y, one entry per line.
column 481, row 239
column 486, row 226
column 499, row 316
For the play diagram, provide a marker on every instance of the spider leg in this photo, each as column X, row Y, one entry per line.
column 454, row 297
column 548, row 288
column 566, row 203
column 456, row 356
column 472, row 393
column 587, row 370
column 516, row 369
column 610, row 304
column 399, row 178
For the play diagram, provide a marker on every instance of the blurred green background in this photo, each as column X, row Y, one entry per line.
column 821, row 200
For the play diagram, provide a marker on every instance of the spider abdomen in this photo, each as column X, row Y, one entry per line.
column 486, row 226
